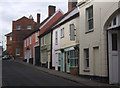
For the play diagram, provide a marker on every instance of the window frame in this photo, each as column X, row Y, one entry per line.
column 17, row 51
column 30, row 40
column 36, row 36
column 86, row 59
column 72, row 30
column 89, row 19
column 56, row 37
column 18, row 27
column 62, row 33
column 29, row 27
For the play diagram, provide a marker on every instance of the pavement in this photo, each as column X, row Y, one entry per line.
column 78, row 79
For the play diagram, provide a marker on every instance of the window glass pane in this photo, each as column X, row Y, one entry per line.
column 72, row 33
column 90, row 23
column 114, row 41
column 29, row 27
column 86, row 53
column 18, row 27
column 114, row 21
column 90, row 12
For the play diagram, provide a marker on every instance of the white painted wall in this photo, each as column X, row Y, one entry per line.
column 101, row 12
column 55, row 49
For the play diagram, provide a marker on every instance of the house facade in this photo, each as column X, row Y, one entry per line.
column 20, row 29
column 69, row 43
column 45, row 40
column 99, row 49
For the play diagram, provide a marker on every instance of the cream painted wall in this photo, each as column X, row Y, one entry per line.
column 65, row 41
column 101, row 12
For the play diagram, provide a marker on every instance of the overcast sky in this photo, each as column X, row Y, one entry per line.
column 11, row 10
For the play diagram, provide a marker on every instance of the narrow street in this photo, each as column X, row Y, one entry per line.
column 16, row 74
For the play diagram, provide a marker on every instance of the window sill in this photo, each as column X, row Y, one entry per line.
column 89, row 31
column 86, row 70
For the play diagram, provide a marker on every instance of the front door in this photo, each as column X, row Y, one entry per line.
column 113, row 45
column 37, row 55
column 68, row 62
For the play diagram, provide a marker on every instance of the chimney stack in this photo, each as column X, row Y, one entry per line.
column 38, row 18
column 72, row 4
column 51, row 10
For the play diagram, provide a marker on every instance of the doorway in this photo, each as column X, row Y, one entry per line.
column 114, row 56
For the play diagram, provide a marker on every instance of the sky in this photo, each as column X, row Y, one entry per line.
column 11, row 10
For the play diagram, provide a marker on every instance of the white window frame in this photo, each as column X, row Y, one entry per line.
column 86, row 59
column 62, row 33
column 18, row 27
column 25, row 43
column 10, row 38
column 29, row 27
column 36, row 36
column 56, row 37
column 73, row 30
column 30, row 40
column 113, row 26
column 17, row 51
column 89, row 19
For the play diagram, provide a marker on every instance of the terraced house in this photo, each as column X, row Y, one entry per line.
column 99, row 40
column 65, row 42
column 45, row 39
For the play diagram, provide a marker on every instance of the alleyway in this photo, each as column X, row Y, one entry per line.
column 16, row 74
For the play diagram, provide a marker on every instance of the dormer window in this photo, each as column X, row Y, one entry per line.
column 29, row 27
column 18, row 27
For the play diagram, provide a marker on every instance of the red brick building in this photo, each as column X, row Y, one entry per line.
column 20, row 29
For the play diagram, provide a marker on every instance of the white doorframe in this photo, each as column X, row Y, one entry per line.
column 113, row 58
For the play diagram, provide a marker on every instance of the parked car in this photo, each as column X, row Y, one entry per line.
column 6, row 57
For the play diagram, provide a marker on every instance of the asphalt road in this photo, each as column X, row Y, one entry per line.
column 16, row 74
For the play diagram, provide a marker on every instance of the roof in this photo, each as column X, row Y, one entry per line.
column 68, row 15
column 37, row 27
column 9, row 34
column 25, row 18
column 65, row 18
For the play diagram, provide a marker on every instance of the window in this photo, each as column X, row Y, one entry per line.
column 59, row 57
column 17, row 51
column 10, row 38
column 30, row 53
column 72, row 58
column 43, row 41
column 114, row 42
column 29, row 27
column 56, row 37
column 36, row 37
column 25, row 43
column 114, row 21
column 18, row 27
column 30, row 40
column 86, row 58
column 89, row 12
column 72, row 32
column 62, row 32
